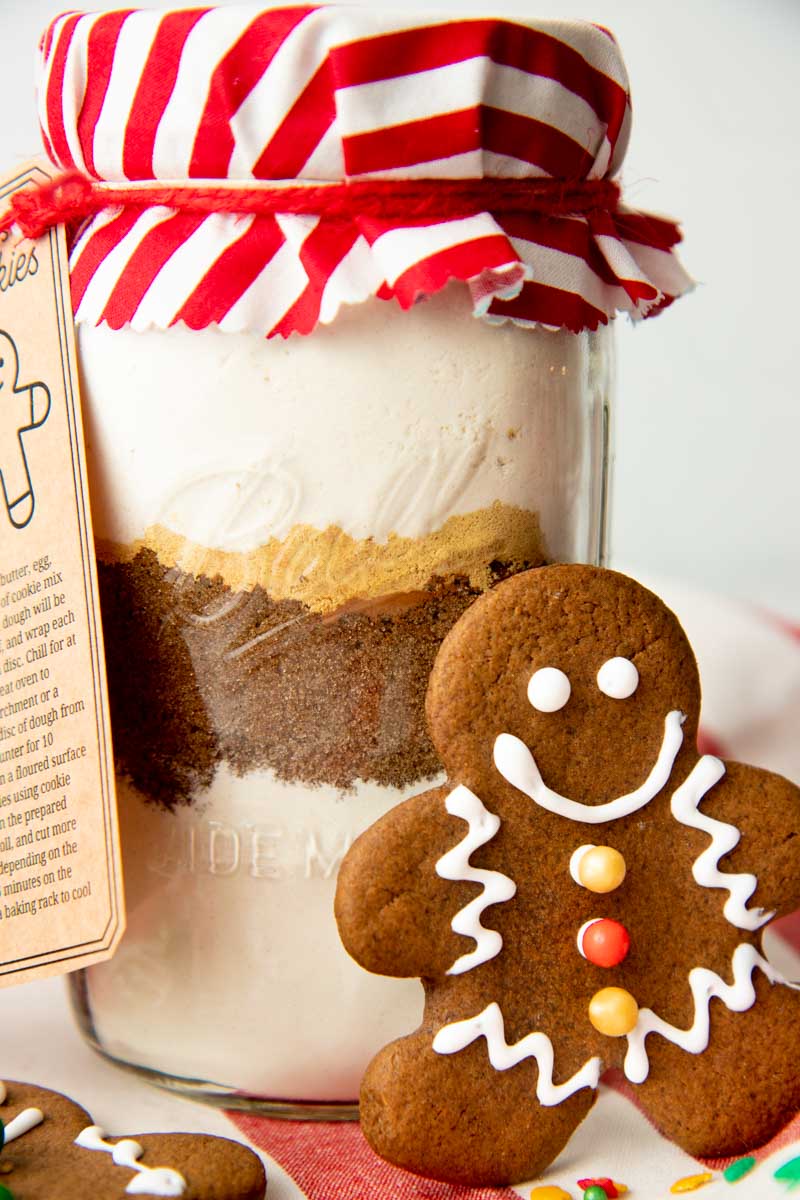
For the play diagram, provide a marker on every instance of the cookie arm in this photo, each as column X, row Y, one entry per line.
column 392, row 909
column 765, row 809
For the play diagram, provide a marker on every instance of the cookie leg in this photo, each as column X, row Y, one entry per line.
column 456, row 1119
column 738, row 1093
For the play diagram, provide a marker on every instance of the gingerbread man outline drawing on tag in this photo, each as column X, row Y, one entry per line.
column 23, row 408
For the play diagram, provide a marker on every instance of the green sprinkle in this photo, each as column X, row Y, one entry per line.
column 789, row 1173
column 737, row 1170
column 5, row 1194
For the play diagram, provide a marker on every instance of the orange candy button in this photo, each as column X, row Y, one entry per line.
column 601, row 869
column 613, row 1011
column 550, row 1192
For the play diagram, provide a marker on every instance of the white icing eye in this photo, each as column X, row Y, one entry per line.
column 618, row 678
column 549, row 689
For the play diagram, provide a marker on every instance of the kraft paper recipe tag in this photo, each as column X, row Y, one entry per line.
column 61, row 904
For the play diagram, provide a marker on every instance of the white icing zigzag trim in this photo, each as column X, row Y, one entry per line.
column 148, row 1181
column 518, row 767
column 455, row 865
column 489, row 1024
column 724, row 837
column 738, row 997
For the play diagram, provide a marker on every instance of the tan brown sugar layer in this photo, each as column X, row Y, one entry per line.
column 200, row 673
column 324, row 569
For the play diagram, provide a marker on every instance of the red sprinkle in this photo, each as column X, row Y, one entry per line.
column 607, row 1185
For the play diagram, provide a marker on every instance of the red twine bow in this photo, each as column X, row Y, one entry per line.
column 73, row 197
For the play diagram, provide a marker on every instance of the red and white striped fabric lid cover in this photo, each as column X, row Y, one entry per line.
column 337, row 93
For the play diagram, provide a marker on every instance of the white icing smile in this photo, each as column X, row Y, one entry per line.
column 518, row 767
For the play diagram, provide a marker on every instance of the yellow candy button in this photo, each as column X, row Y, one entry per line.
column 550, row 1192
column 601, row 869
column 613, row 1011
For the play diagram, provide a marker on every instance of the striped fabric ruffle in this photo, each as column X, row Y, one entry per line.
column 338, row 94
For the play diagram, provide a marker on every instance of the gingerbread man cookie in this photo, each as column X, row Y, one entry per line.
column 49, row 1147
column 585, row 892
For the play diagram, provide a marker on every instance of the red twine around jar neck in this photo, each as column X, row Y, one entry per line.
column 73, row 197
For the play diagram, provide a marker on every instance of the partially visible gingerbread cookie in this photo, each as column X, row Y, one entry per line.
column 52, row 1149
column 585, row 892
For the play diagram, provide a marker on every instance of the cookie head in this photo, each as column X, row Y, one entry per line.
column 587, row 668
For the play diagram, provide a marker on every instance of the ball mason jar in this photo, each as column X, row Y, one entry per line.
column 308, row 453
column 286, row 531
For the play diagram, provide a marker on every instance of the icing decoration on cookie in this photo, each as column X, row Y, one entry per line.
column 455, row 866
column 603, row 942
column 724, row 837
column 599, row 869
column 3, row 1092
column 518, row 767
column 704, row 984
column 148, row 1181
column 549, row 689
column 23, row 1123
column 618, row 678
column 489, row 1025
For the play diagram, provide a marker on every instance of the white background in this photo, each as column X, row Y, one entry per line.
column 708, row 431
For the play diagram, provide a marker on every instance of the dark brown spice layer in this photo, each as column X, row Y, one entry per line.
column 198, row 673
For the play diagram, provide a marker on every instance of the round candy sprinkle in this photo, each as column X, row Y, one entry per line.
column 599, row 869
column 690, row 1183
column 595, row 1192
column 5, row 1194
column 604, row 942
column 550, row 1192
column 737, row 1170
column 613, row 1011
column 548, row 689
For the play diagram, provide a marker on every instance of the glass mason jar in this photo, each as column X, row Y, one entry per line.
column 286, row 531
column 287, row 526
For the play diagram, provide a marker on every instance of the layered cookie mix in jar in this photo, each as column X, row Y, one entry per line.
column 342, row 281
